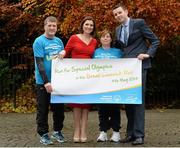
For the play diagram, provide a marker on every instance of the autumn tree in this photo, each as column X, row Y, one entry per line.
column 161, row 15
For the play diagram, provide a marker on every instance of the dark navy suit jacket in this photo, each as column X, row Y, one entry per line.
column 141, row 40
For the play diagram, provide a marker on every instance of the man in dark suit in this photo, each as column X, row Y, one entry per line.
column 137, row 41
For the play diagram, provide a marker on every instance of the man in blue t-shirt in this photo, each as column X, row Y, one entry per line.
column 46, row 47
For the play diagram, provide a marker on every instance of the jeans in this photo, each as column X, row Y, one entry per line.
column 43, row 104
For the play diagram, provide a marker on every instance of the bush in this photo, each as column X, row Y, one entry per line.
column 5, row 79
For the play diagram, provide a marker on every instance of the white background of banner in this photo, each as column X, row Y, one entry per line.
column 117, row 74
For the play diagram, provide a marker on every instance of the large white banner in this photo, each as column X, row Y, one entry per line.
column 96, row 81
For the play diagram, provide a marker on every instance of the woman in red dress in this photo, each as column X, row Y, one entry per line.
column 82, row 46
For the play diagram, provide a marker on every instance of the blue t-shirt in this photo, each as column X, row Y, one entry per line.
column 111, row 53
column 46, row 48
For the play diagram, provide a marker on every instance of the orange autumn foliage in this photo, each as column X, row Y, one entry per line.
column 161, row 15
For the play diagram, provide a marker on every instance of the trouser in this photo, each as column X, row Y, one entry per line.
column 136, row 114
column 109, row 117
column 43, row 104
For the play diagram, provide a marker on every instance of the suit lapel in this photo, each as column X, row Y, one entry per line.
column 128, row 48
column 119, row 29
column 131, row 24
column 119, row 32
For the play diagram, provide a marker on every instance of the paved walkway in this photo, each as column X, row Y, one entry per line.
column 162, row 129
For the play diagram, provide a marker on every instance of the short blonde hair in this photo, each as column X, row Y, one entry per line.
column 50, row 19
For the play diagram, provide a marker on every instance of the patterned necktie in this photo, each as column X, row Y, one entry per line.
column 125, row 34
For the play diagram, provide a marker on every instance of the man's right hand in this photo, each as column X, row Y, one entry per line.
column 143, row 56
column 48, row 87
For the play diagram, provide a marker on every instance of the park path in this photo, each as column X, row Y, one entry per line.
column 19, row 130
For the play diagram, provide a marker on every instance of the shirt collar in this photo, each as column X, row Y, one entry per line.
column 127, row 22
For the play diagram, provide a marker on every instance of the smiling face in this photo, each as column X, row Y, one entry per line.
column 106, row 39
column 50, row 29
column 88, row 27
column 120, row 14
